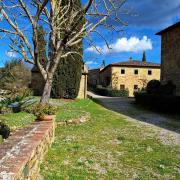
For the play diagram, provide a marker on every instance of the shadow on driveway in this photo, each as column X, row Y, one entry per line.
column 127, row 107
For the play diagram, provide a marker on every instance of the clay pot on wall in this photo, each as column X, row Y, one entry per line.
column 46, row 118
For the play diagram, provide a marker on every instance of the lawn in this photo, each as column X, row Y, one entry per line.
column 107, row 147
column 17, row 120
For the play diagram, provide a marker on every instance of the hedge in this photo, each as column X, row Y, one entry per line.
column 111, row 92
column 163, row 103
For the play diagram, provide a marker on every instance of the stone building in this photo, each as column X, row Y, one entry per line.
column 37, row 82
column 170, row 55
column 93, row 77
column 132, row 75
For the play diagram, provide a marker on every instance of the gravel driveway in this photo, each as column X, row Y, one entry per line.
column 167, row 127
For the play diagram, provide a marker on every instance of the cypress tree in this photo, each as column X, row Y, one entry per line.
column 42, row 45
column 68, row 74
column 144, row 57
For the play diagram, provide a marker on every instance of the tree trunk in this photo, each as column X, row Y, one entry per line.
column 46, row 92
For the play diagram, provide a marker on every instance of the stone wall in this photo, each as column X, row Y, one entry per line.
column 170, row 57
column 22, row 153
column 83, row 87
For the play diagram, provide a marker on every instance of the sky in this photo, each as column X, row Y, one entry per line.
column 144, row 18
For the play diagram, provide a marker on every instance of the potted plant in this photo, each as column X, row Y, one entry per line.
column 43, row 112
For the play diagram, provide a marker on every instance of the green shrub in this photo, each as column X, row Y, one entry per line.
column 15, row 100
column 111, row 92
column 4, row 130
column 153, row 87
column 14, row 74
column 41, row 110
column 167, row 89
column 163, row 103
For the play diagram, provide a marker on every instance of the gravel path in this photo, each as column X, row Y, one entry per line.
column 166, row 127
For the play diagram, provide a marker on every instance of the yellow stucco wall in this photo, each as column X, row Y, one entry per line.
column 129, row 79
column 83, row 87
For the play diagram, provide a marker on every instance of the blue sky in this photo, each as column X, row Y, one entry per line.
column 145, row 18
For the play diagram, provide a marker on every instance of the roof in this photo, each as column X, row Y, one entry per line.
column 169, row 28
column 94, row 70
column 134, row 63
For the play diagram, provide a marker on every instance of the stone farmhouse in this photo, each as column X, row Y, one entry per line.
column 37, row 82
column 132, row 75
column 170, row 55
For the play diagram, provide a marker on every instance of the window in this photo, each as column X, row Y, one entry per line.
column 149, row 72
column 136, row 71
column 122, row 87
column 122, row 71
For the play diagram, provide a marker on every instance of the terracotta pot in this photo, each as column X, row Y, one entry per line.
column 47, row 118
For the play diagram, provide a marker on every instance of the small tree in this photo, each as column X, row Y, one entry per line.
column 144, row 57
column 103, row 64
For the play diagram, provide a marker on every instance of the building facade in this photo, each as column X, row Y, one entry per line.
column 93, row 77
column 170, row 56
column 132, row 75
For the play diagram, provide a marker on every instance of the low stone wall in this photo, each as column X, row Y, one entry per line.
column 22, row 153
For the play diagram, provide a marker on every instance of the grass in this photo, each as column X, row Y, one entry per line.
column 107, row 147
column 17, row 120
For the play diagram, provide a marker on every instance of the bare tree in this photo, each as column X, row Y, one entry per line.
column 21, row 19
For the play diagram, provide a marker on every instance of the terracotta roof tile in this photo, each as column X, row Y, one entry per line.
column 136, row 63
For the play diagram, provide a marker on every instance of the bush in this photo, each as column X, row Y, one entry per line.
column 41, row 110
column 111, row 92
column 167, row 89
column 15, row 74
column 15, row 100
column 153, row 87
column 163, row 103
column 4, row 130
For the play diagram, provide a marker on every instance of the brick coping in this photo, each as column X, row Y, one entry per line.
column 20, row 148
